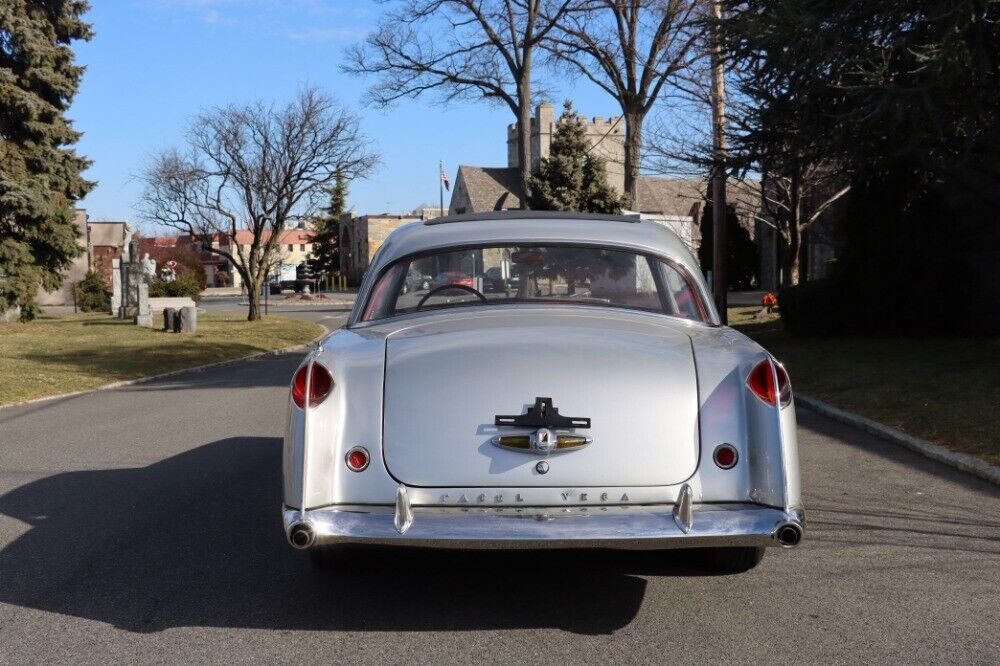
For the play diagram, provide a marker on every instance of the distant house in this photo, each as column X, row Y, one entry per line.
column 294, row 247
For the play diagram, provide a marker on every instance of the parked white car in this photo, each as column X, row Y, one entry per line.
column 595, row 401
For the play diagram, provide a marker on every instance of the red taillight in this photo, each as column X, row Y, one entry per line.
column 356, row 459
column 784, row 386
column 320, row 384
column 761, row 382
column 299, row 386
column 725, row 456
column 317, row 384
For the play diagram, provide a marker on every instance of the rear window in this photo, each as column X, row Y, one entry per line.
column 534, row 274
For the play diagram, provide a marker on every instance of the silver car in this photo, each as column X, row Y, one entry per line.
column 595, row 402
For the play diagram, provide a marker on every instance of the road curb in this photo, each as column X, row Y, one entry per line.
column 196, row 368
column 966, row 463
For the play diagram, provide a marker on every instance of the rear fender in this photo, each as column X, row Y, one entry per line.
column 317, row 439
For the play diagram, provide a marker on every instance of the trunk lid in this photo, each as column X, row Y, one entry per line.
column 447, row 378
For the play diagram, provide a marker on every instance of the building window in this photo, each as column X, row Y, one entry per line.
column 302, row 248
column 290, row 248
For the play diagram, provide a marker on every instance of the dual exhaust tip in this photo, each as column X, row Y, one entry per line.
column 301, row 535
column 788, row 534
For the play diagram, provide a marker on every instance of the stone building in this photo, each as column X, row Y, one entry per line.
column 606, row 138
column 103, row 242
column 677, row 202
column 362, row 235
column 107, row 241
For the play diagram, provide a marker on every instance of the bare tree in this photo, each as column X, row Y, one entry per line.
column 253, row 168
column 792, row 200
column 631, row 49
column 461, row 49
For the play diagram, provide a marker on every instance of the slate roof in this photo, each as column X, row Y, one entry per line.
column 497, row 188
column 678, row 196
column 491, row 188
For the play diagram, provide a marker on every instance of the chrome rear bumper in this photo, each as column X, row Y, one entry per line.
column 623, row 527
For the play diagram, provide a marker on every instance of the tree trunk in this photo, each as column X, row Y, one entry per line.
column 790, row 275
column 633, row 146
column 794, row 225
column 524, row 134
column 252, row 281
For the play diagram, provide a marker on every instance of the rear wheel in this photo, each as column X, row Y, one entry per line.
column 733, row 560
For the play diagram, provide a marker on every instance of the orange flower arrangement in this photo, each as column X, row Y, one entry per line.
column 769, row 300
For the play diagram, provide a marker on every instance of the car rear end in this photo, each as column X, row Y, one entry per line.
column 550, row 416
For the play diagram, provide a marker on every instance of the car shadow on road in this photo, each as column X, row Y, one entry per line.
column 196, row 540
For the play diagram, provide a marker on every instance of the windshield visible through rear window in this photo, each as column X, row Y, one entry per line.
column 534, row 274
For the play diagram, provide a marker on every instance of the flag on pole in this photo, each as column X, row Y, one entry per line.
column 444, row 178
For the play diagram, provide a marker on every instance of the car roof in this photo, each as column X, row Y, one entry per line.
column 533, row 227
column 530, row 227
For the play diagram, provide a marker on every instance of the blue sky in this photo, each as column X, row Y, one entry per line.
column 154, row 63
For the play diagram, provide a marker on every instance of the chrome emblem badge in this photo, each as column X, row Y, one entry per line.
column 543, row 441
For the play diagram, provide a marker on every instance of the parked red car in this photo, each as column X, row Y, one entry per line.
column 451, row 277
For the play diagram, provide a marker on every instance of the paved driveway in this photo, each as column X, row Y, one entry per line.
column 142, row 525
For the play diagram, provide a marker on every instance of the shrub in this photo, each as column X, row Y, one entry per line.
column 945, row 298
column 814, row 308
column 182, row 286
column 91, row 294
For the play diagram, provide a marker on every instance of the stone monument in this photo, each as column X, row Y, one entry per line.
column 116, row 286
column 147, row 270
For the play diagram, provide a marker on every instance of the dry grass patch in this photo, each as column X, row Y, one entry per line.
column 54, row 355
column 945, row 390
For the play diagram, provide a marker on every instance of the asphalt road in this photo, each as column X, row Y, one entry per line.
column 142, row 525
column 331, row 315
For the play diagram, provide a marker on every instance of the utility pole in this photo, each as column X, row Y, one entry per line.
column 720, row 255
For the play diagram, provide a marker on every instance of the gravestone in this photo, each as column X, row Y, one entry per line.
column 169, row 314
column 143, row 315
column 188, row 320
column 116, row 285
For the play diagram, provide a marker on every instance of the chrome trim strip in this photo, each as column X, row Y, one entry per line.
column 650, row 527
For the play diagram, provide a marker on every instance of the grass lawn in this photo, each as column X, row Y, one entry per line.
column 53, row 355
column 945, row 390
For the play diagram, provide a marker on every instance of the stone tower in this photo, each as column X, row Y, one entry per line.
column 607, row 139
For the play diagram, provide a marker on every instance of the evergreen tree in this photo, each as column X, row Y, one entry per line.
column 325, row 255
column 40, row 173
column 572, row 179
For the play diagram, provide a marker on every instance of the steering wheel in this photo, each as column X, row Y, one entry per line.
column 443, row 287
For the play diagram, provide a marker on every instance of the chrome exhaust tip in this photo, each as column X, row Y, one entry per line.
column 788, row 534
column 301, row 535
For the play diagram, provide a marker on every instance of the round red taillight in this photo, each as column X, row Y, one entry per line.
column 314, row 380
column 357, row 459
column 725, row 456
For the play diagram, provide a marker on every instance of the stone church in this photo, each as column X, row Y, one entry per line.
column 674, row 202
